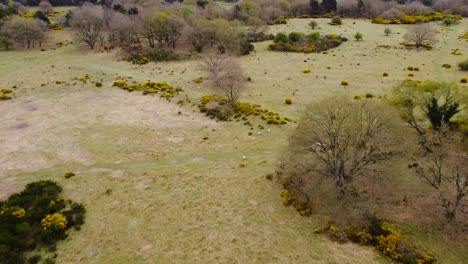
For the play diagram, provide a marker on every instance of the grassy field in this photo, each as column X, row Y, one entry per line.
column 163, row 187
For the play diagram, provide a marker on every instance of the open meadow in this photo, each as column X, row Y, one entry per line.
column 163, row 183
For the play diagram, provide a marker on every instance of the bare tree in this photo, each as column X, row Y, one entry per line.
column 27, row 32
column 444, row 170
column 88, row 21
column 46, row 7
column 342, row 139
column 125, row 31
column 225, row 74
column 163, row 27
column 420, row 34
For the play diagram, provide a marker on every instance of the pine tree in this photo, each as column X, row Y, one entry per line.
column 315, row 7
column 329, row 6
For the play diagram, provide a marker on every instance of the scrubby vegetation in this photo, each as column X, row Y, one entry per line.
column 220, row 108
column 35, row 218
column 164, row 89
column 300, row 42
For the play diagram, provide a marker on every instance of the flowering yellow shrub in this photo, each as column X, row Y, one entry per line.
column 413, row 19
column 55, row 26
column 162, row 88
column 54, row 221
column 198, row 80
column 288, row 197
column 6, row 90
column 388, row 243
column 19, row 213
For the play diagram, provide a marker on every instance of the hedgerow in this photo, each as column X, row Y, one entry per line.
column 414, row 19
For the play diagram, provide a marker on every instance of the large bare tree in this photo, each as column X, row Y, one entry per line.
column 225, row 74
column 341, row 140
column 88, row 21
column 420, row 34
column 444, row 170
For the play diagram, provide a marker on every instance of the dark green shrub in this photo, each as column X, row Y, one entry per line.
column 41, row 16
column 358, row 36
column 281, row 38
column 35, row 217
column 314, row 36
column 463, row 65
column 294, row 36
column 336, row 20
column 313, row 24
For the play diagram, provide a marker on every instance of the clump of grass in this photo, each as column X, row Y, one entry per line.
column 344, row 83
column 463, row 65
column 288, row 100
column 68, row 174
column 385, row 74
column 447, row 66
column 410, row 74
column 357, row 97
column 198, row 80
column 306, row 70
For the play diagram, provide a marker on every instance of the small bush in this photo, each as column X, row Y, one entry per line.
column 357, row 97
column 58, row 82
column 410, row 74
column 387, row 31
column 410, row 68
column 69, row 174
column 369, row 95
column 463, row 65
column 416, row 69
column 385, row 74
column 198, row 80
column 7, row 90
column 314, row 36
column 281, row 38
column 447, row 66
column 464, row 80
column 294, row 36
column 344, row 83
column 336, row 20
column 358, row 36
column 288, row 100
column 313, row 24
column 306, row 70
column 4, row 97
column 98, row 84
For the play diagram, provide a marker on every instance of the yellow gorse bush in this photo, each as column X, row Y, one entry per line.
column 164, row 89
column 388, row 243
column 55, row 221
column 413, row 19
column 19, row 213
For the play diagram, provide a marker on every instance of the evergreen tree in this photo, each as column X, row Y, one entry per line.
column 315, row 7
column 329, row 6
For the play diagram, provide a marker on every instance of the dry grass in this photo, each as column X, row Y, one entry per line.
column 175, row 196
